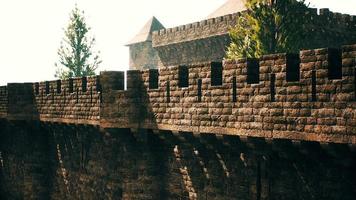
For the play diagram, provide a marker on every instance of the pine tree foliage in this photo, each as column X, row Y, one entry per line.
column 268, row 26
column 76, row 55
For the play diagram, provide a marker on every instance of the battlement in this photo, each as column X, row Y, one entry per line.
column 221, row 25
column 310, row 96
column 344, row 19
column 194, row 31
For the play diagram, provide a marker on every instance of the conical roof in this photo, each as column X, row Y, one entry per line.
column 230, row 7
column 145, row 33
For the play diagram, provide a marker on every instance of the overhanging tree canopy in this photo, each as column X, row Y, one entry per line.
column 268, row 26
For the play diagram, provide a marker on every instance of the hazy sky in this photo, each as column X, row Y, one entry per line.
column 31, row 30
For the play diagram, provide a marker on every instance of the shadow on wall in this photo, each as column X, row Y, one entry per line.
column 130, row 108
column 21, row 104
column 75, row 100
column 278, row 96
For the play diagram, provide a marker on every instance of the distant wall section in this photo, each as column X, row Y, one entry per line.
column 143, row 56
column 207, row 40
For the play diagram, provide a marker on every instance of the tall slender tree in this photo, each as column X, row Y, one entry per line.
column 76, row 55
column 269, row 26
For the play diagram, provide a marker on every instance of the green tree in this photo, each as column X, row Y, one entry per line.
column 268, row 26
column 76, row 55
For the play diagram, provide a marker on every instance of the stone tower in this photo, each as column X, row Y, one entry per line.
column 142, row 55
column 198, row 42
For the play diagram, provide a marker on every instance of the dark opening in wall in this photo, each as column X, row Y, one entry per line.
column 59, row 86
column 168, row 92
column 52, row 95
column 122, row 84
column 216, row 73
column 234, row 89
column 70, row 85
column 91, row 94
column 47, row 87
column 293, row 67
column 273, row 87
column 334, row 64
column 64, row 96
column 355, row 80
column 77, row 95
column 153, row 79
column 37, row 88
column 199, row 90
column 313, row 86
column 183, row 76
column 253, row 71
column 84, row 84
column 97, row 84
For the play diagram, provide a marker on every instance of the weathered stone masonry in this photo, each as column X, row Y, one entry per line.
column 207, row 40
column 282, row 127
column 312, row 101
column 63, row 161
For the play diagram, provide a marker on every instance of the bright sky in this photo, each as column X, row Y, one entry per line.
column 31, row 31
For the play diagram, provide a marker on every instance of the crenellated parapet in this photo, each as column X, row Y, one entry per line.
column 307, row 96
column 194, row 31
column 76, row 99
column 207, row 40
column 324, row 19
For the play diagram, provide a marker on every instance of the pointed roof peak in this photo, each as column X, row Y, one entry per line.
column 229, row 7
column 145, row 33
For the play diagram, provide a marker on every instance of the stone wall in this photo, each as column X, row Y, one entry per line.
column 3, row 101
column 198, row 51
column 194, row 31
column 194, row 43
column 73, row 100
column 59, row 100
column 143, row 56
column 61, row 161
column 330, row 29
column 310, row 96
column 317, row 107
column 26, row 161
column 207, row 40
column 20, row 101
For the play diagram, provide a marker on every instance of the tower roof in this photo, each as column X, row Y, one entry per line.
column 145, row 33
column 229, row 7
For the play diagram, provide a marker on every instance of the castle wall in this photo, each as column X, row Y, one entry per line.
column 200, row 51
column 313, row 108
column 194, row 129
column 207, row 40
column 20, row 101
column 143, row 56
column 58, row 101
column 58, row 161
column 329, row 29
column 194, row 31
column 197, row 42
column 3, row 101
column 250, row 99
